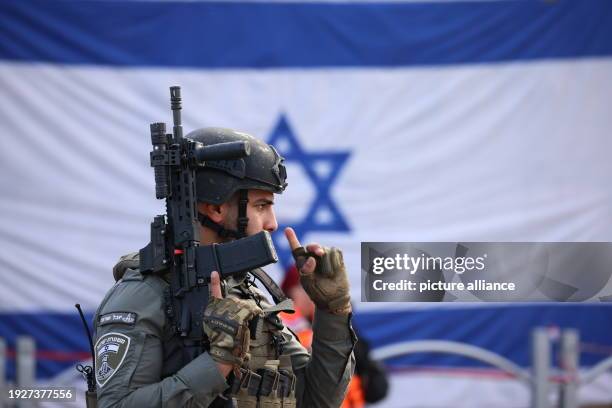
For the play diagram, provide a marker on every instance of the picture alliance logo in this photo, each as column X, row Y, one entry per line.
column 412, row 264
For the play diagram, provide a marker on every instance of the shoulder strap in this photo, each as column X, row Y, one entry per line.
column 277, row 293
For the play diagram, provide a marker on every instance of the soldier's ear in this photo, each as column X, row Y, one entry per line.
column 215, row 212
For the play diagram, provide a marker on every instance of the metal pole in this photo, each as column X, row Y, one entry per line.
column 26, row 366
column 451, row 347
column 540, row 363
column 570, row 356
column 596, row 371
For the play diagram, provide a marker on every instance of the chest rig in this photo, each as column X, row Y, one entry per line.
column 267, row 379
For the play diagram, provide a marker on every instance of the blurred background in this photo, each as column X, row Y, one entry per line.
column 400, row 121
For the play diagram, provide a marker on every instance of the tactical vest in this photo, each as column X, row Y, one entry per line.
column 267, row 379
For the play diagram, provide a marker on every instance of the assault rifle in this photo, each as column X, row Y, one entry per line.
column 175, row 241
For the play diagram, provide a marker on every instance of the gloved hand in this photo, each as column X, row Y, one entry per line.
column 226, row 323
column 322, row 275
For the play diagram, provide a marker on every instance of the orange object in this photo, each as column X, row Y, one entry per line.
column 354, row 396
column 302, row 327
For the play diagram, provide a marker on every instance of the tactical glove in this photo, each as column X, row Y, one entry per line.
column 328, row 285
column 226, row 324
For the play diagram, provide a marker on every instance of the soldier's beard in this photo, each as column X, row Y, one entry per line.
column 230, row 224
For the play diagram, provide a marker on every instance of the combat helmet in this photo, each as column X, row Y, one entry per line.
column 216, row 183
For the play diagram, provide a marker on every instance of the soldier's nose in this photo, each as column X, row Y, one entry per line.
column 271, row 225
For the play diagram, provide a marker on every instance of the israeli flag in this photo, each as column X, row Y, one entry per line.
column 399, row 120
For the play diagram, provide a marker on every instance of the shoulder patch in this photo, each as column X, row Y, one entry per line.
column 111, row 350
column 128, row 318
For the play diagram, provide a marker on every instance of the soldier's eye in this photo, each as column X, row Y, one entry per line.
column 262, row 206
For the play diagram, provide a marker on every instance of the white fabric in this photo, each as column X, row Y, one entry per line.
column 487, row 152
column 482, row 389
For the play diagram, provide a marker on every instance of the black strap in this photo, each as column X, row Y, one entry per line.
column 275, row 291
column 243, row 220
column 219, row 229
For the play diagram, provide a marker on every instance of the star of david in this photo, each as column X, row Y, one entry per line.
column 322, row 169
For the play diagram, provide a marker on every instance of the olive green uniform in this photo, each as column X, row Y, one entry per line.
column 139, row 357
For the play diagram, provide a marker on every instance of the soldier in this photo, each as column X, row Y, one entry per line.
column 139, row 362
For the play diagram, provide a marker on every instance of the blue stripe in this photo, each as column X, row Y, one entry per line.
column 504, row 330
column 63, row 332
column 271, row 35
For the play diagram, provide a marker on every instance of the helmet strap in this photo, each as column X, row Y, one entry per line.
column 243, row 220
column 219, row 229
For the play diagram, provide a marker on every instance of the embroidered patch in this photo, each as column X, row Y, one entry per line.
column 111, row 350
column 118, row 317
column 227, row 326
